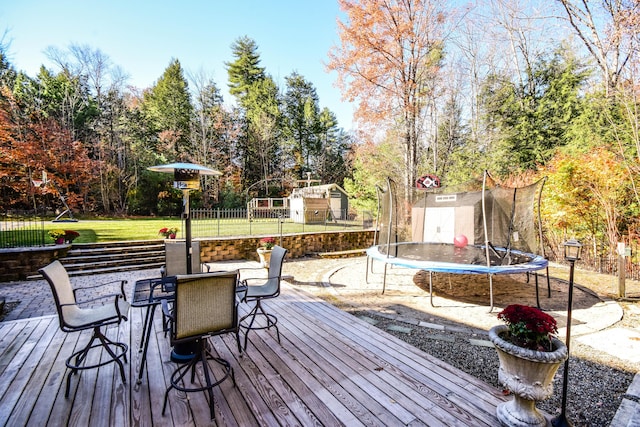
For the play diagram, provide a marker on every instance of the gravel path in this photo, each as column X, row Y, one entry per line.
column 597, row 380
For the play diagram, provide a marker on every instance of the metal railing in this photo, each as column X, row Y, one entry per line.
column 603, row 263
column 18, row 230
column 243, row 222
column 28, row 230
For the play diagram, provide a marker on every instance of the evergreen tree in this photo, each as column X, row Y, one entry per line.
column 331, row 162
column 167, row 105
column 257, row 99
column 244, row 71
column 263, row 115
column 452, row 137
column 301, row 111
column 533, row 117
column 209, row 129
column 7, row 72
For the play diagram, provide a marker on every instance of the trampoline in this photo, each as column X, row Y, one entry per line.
column 500, row 228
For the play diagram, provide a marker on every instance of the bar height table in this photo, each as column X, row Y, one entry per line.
column 148, row 293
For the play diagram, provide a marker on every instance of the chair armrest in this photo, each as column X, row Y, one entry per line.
column 115, row 297
column 98, row 298
column 241, row 269
column 247, row 282
column 122, row 283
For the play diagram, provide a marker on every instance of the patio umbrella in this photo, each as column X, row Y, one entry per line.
column 186, row 178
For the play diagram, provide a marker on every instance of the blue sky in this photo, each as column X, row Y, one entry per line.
column 142, row 37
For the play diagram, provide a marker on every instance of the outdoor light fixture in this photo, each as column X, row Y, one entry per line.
column 186, row 177
column 572, row 250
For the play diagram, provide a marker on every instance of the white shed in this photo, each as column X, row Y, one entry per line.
column 318, row 203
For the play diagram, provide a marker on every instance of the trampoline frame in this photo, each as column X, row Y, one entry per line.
column 536, row 263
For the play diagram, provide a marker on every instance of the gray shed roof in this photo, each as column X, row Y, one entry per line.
column 317, row 190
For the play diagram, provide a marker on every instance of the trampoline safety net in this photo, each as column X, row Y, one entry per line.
column 498, row 216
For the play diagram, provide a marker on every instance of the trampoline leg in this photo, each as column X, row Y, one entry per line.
column 384, row 278
column 548, row 284
column 490, row 293
column 366, row 275
column 537, row 292
column 431, row 288
column 369, row 268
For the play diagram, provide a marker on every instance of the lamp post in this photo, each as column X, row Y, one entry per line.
column 572, row 249
column 186, row 177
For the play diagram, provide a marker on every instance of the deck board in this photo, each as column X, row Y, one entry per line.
column 330, row 368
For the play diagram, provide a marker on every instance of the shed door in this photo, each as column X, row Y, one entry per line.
column 439, row 225
column 336, row 207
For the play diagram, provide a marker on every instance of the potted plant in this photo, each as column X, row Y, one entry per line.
column 530, row 355
column 57, row 235
column 265, row 245
column 70, row 235
column 168, row 232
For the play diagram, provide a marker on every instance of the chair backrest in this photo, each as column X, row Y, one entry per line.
column 205, row 304
column 58, row 279
column 175, row 252
column 272, row 285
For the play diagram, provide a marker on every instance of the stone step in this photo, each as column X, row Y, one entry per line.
column 106, row 270
column 71, row 264
column 119, row 244
column 114, row 257
column 88, row 249
column 101, row 258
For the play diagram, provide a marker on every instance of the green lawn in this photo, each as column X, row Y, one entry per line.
column 146, row 229
column 17, row 234
column 115, row 229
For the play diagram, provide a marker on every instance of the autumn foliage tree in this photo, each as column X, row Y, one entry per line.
column 588, row 194
column 388, row 59
column 29, row 148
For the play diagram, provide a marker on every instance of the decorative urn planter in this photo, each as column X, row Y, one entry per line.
column 528, row 374
column 265, row 257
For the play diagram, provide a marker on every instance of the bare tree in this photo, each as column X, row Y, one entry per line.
column 609, row 32
column 388, row 60
column 92, row 70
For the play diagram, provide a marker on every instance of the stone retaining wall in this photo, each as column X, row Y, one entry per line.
column 299, row 245
column 19, row 263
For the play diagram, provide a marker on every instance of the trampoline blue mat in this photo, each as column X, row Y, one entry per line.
column 447, row 258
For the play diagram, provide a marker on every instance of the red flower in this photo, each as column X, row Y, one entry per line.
column 70, row 235
column 529, row 327
column 168, row 231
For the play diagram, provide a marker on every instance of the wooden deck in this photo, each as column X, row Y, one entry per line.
column 330, row 369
